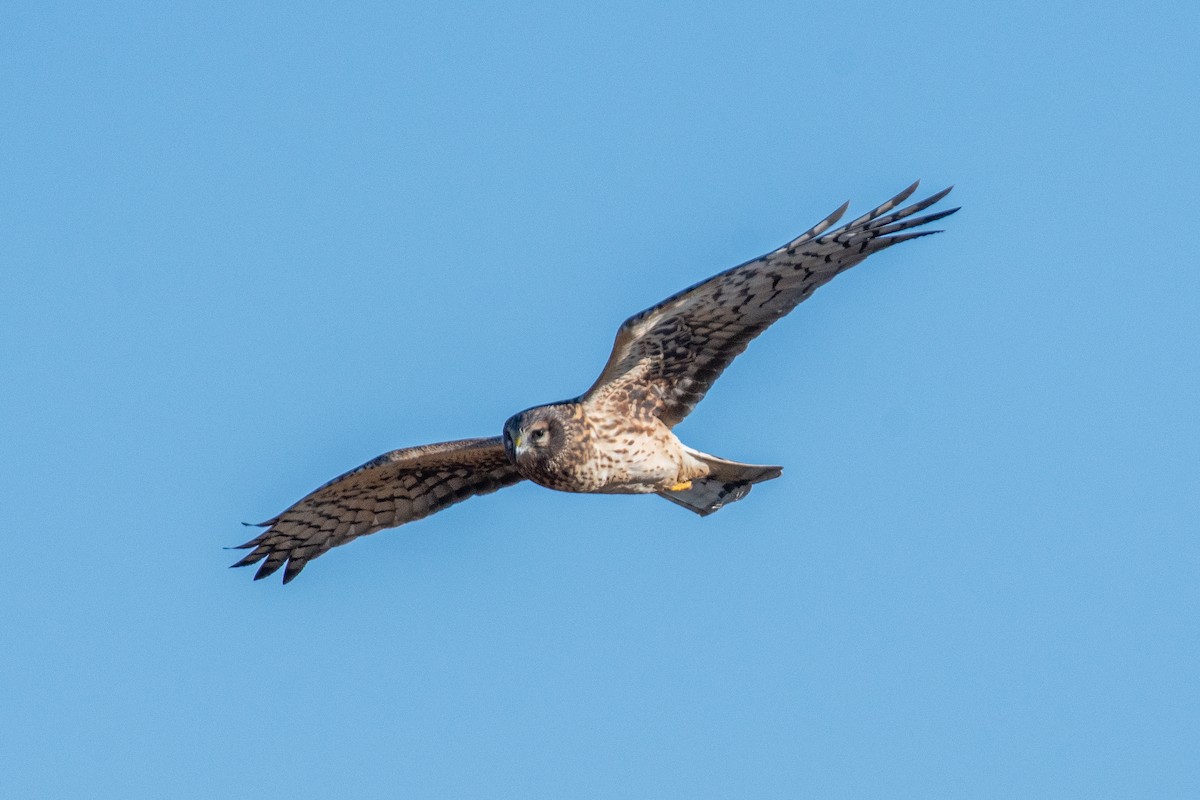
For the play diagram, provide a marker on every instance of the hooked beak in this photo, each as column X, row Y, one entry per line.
column 512, row 444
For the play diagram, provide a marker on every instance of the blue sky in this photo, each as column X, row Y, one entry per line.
column 243, row 250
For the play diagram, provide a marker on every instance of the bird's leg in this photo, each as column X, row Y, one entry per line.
column 681, row 487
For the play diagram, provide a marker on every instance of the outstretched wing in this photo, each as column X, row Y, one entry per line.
column 667, row 357
column 395, row 488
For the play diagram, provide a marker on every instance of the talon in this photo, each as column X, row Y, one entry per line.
column 680, row 487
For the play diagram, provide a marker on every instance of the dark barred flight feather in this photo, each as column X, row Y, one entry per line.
column 680, row 346
column 395, row 488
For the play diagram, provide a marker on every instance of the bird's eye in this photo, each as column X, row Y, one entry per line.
column 539, row 434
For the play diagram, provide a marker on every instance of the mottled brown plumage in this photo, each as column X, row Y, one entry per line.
column 616, row 437
column 672, row 353
column 395, row 488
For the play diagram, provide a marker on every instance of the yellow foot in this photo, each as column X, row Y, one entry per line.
column 681, row 487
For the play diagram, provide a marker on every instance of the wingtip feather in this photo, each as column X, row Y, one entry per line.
column 269, row 568
column 911, row 222
column 905, row 194
column 885, row 207
column 247, row 560
column 939, row 195
column 904, row 237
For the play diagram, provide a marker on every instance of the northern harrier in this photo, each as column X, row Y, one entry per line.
column 616, row 437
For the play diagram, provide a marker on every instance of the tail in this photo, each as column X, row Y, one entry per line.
column 726, row 482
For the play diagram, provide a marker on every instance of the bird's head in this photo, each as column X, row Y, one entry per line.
column 536, row 435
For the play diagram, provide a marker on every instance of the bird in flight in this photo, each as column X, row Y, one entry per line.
column 616, row 437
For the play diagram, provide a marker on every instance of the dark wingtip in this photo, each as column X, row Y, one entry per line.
column 294, row 567
column 829, row 221
column 939, row 195
column 905, row 194
column 905, row 237
column 819, row 228
column 267, row 569
column 245, row 561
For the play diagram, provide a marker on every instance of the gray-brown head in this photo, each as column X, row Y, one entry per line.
column 536, row 438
